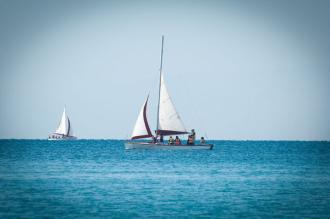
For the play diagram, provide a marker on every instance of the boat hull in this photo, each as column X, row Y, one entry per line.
column 144, row 145
column 59, row 137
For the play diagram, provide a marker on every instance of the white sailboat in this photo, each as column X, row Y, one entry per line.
column 168, row 122
column 64, row 131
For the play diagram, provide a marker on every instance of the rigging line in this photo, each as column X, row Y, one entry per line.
column 160, row 78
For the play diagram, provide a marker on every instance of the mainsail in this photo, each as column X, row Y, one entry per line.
column 141, row 128
column 64, row 127
column 169, row 121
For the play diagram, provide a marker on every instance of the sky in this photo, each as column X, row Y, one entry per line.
column 236, row 70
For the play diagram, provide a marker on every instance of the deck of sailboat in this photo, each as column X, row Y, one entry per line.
column 148, row 145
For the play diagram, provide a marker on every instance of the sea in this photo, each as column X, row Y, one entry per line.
column 100, row 179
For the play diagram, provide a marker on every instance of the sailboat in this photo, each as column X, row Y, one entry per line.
column 168, row 122
column 64, row 130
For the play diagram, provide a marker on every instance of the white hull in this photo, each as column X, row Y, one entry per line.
column 144, row 145
column 58, row 137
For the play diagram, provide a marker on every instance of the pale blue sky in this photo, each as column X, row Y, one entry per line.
column 243, row 70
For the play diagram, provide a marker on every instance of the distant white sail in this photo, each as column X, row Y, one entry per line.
column 64, row 127
column 169, row 120
column 141, row 128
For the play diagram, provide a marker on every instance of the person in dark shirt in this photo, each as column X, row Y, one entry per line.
column 190, row 140
column 202, row 140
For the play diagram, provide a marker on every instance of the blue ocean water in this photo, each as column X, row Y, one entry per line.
column 99, row 179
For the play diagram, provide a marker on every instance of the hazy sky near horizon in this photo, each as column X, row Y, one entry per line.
column 235, row 69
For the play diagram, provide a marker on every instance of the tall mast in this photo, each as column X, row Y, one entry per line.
column 160, row 78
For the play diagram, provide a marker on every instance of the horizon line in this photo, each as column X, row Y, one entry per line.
column 119, row 139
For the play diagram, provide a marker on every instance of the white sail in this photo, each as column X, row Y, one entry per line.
column 141, row 128
column 64, row 127
column 169, row 121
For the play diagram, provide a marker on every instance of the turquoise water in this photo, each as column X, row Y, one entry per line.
column 99, row 179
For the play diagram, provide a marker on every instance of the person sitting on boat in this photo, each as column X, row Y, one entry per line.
column 193, row 135
column 171, row 140
column 202, row 140
column 177, row 140
column 161, row 139
column 154, row 139
column 190, row 140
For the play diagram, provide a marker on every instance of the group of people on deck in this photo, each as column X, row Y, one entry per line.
column 177, row 141
column 190, row 141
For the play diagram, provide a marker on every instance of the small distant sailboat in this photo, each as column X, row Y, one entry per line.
column 64, row 130
column 168, row 122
